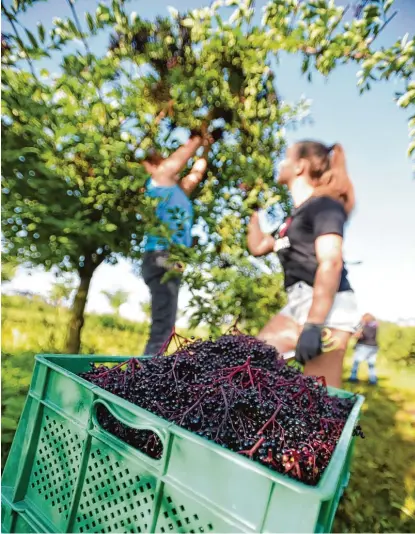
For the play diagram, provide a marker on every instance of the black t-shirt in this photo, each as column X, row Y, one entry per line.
column 295, row 239
column 369, row 335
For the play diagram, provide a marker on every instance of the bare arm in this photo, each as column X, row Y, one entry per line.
column 259, row 243
column 195, row 176
column 174, row 164
column 327, row 280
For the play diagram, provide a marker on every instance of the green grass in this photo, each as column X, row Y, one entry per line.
column 39, row 327
column 381, row 493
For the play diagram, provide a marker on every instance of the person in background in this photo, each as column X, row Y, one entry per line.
column 321, row 313
column 174, row 209
column 366, row 349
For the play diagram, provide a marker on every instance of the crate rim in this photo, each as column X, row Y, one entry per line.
column 323, row 490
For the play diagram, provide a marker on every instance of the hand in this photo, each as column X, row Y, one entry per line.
column 255, row 217
column 208, row 139
column 211, row 137
column 309, row 343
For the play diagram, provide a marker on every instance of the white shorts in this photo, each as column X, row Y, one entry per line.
column 343, row 315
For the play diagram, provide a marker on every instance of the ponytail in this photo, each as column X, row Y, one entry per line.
column 335, row 182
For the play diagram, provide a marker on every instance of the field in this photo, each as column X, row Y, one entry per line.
column 381, row 493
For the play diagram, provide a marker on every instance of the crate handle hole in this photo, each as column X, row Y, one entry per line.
column 147, row 441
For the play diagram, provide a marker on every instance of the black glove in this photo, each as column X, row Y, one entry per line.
column 309, row 343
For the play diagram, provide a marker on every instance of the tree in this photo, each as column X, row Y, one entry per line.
column 70, row 143
column 70, row 177
column 231, row 77
column 72, row 181
column 319, row 31
column 116, row 299
column 67, row 173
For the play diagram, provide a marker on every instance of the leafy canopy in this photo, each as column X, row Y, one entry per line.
column 72, row 189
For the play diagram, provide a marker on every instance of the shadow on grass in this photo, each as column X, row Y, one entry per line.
column 381, row 489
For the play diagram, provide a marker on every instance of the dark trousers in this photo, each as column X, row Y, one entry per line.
column 164, row 299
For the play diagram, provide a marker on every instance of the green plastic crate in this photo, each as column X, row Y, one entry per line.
column 66, row 474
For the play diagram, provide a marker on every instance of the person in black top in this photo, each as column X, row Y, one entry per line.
column 366, row 349
column 321, row 313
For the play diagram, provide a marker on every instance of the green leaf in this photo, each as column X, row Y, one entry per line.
column 188, row 23
column 32, row 39
column 72, row 27
column 110, row 227
column 90, row 22
column 116, row 9
column 305, row 64
column 103, row 13
column 406, row 99
column 41, row 31
column 99, row 112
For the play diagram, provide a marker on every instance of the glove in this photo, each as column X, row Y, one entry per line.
column 309, row 343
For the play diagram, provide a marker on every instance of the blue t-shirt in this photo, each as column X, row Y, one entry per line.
column 176, row 210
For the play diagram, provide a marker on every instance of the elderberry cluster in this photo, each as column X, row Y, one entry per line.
column 237, row 392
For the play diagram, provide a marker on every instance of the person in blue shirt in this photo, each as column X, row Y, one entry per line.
column 176, row 211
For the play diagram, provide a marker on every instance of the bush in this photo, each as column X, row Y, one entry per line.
column 116, row 323
column 15, row 381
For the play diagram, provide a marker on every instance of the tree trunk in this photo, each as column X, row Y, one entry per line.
column 76, row 321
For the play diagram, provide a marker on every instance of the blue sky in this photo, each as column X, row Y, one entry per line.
column 374, row 134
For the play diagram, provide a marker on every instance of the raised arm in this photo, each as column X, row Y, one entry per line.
column 259, row 243
column 195, row 176
column 170, row 168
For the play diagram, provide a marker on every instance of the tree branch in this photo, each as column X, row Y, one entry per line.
column 85, row 43
column 78, row 25
column 16, row 32
column 311, row 51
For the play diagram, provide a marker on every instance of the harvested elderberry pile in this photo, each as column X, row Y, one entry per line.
column 237, row 392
